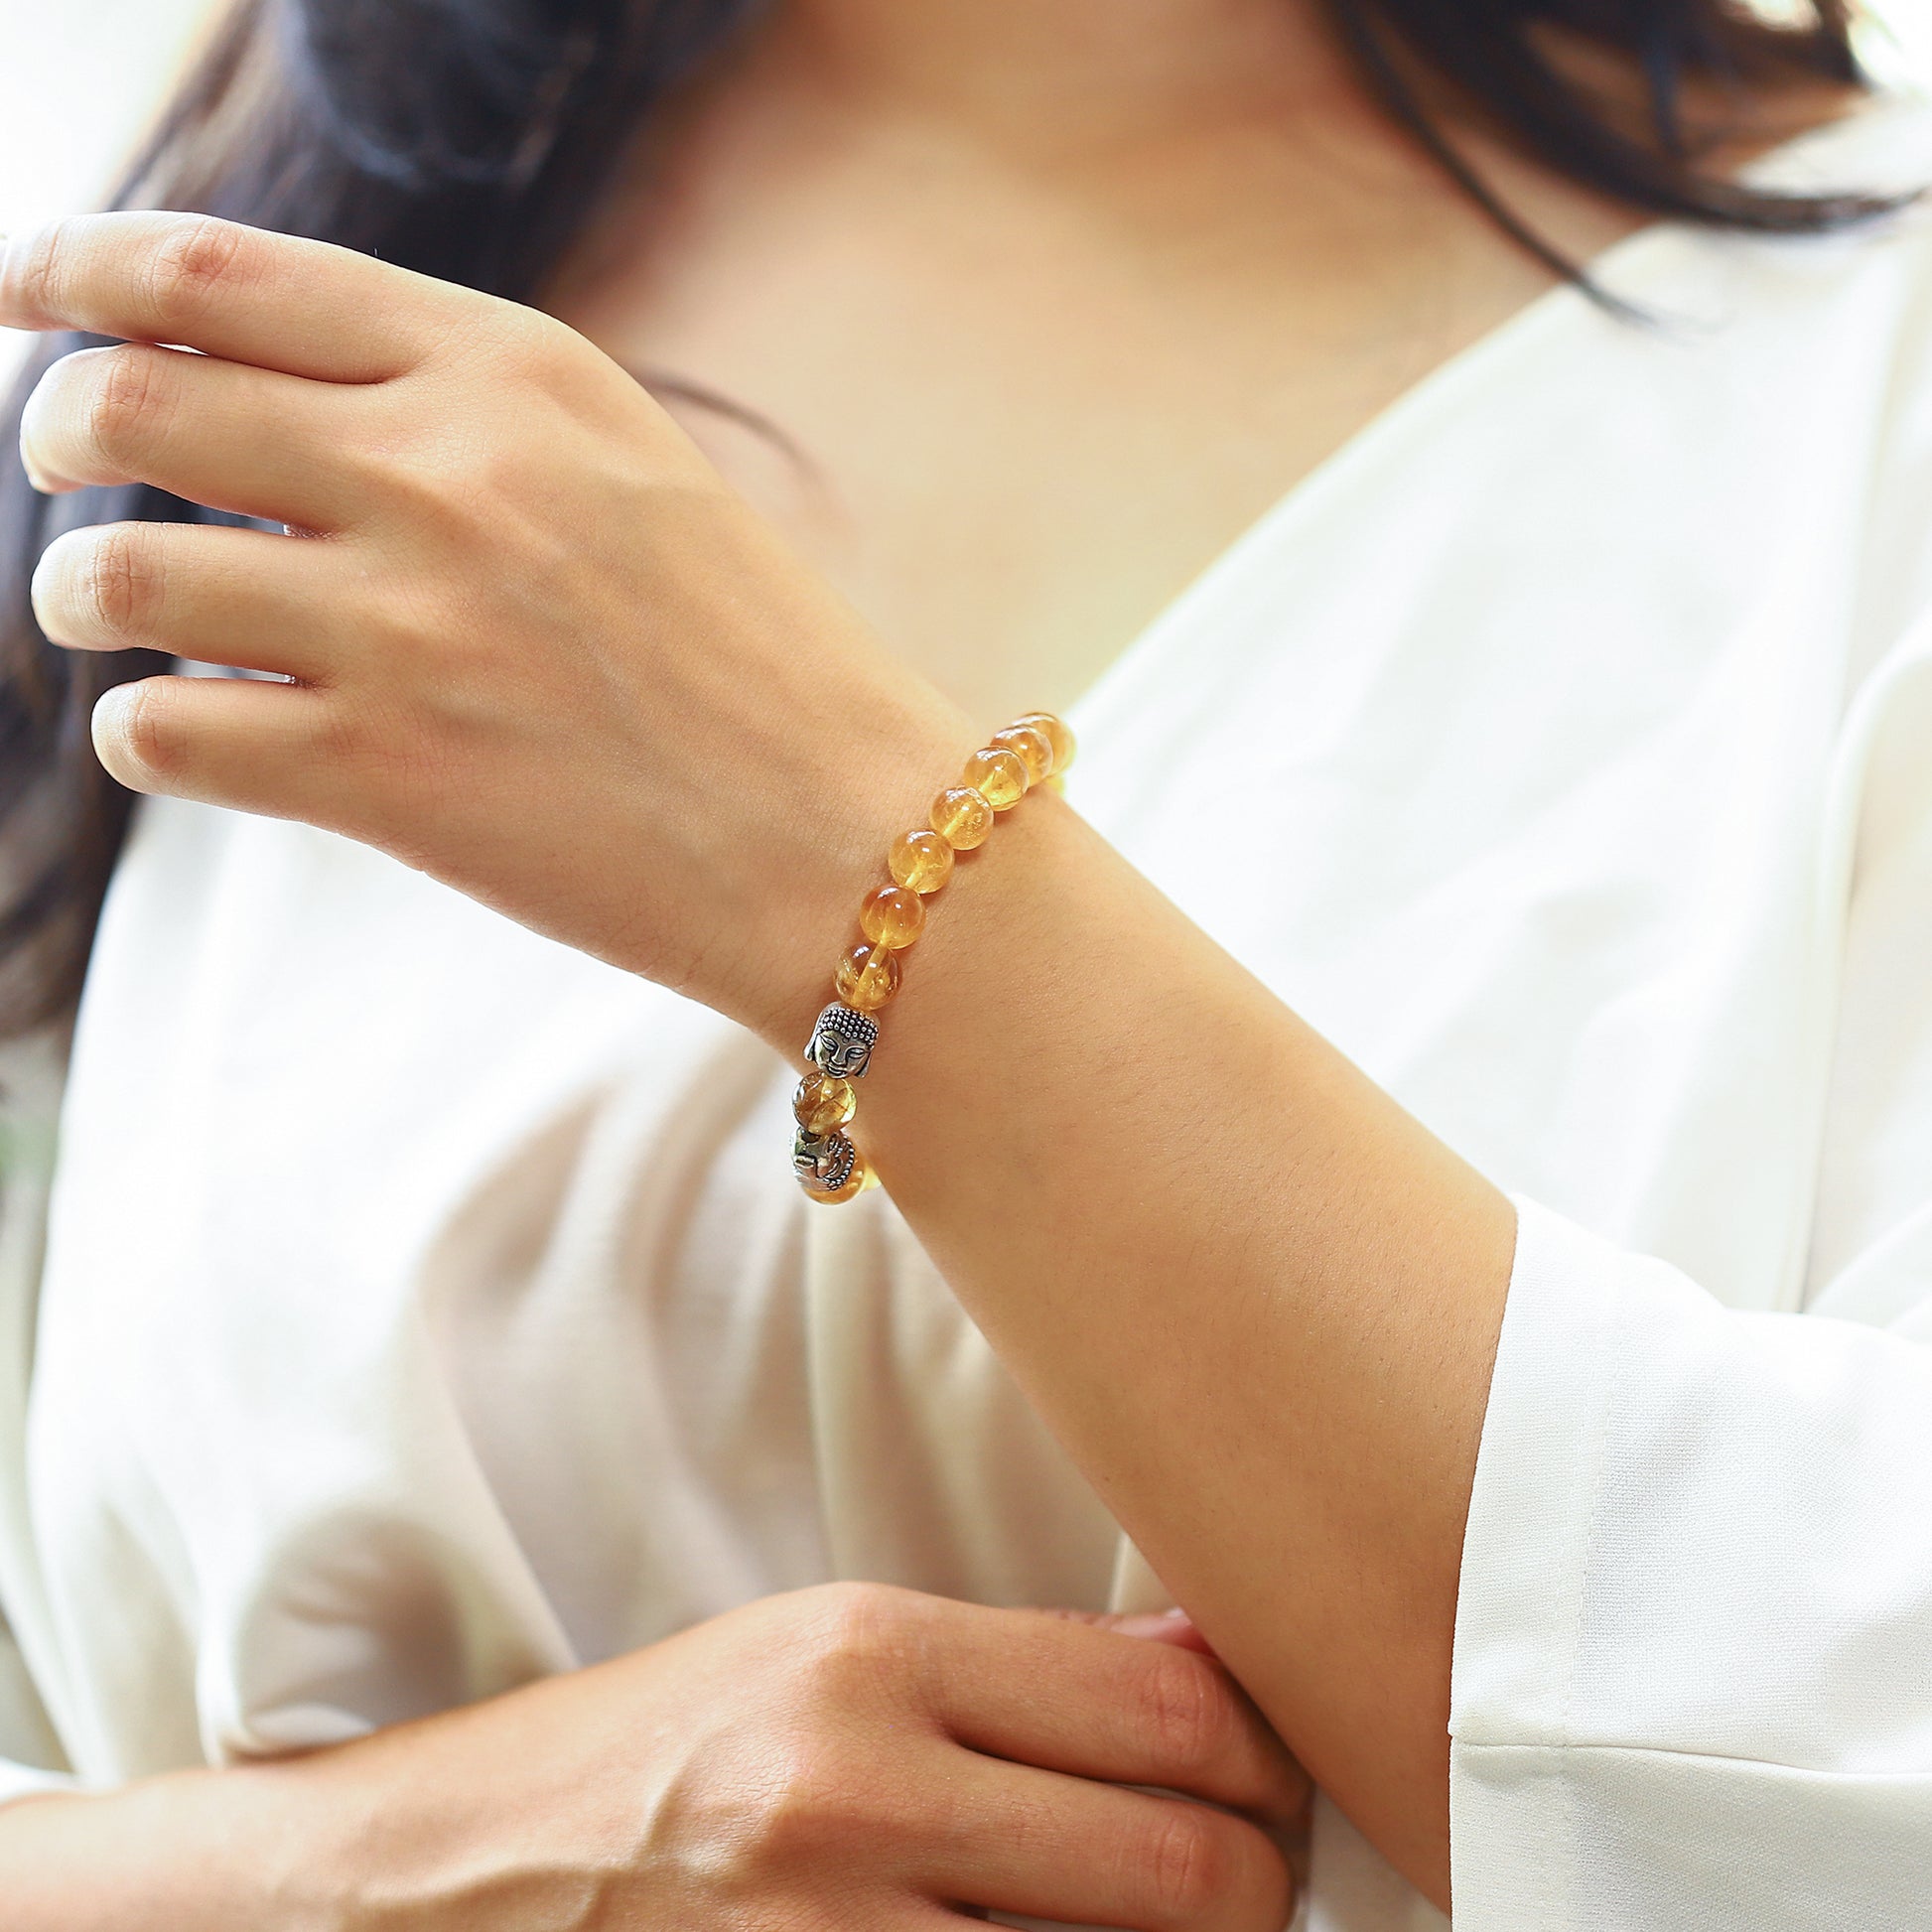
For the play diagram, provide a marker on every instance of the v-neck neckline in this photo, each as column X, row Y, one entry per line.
column 1626, row 268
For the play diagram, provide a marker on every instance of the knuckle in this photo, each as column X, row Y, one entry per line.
column 1257, row 1890
column 142, row 734
column 804, row 1810
column 196, row 262
column 1183, row 1709
column 1182, row 1863
column 536, row 339
column 519, row 341
column 35, row 270
column 122, row 586
column 127, row 406
column 853, row 1615
column 1195, row 1868
column 741, row 1825
column 850, row 1624
column 434, row 476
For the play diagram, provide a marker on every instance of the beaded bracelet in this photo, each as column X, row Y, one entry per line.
column 1034, row 750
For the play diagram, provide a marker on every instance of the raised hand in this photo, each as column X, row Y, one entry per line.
column 536, row 646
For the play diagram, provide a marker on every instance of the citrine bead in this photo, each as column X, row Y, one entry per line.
column 891, row 916
column 867, row 977
column 1034, row 750
column 998, row 776
column 1055, row 732
column 824, row 1101
column 921, row 862
column 962, row 817
column 856, row 1183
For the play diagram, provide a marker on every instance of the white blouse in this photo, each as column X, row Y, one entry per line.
column 426, row 1307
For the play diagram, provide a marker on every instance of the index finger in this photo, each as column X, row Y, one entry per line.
column 191, row 281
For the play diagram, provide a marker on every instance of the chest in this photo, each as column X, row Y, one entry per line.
column 1010, row 411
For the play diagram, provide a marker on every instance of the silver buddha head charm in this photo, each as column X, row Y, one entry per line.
column 823, row 1162
column 842, row 1041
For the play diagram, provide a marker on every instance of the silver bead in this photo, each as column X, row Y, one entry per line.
column 823, row 1162
column 842, row 1041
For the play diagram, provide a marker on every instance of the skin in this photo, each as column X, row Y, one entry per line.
column 669, row 703
column 850, row 1756
column 1122, row 273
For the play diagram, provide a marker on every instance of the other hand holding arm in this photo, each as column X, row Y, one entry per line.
column 843, row 1759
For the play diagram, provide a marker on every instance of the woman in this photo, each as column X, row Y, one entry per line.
column 427, row 1309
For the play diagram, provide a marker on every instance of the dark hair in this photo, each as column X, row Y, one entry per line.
column 470, row 139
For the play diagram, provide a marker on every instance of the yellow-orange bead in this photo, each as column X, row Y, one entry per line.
column 921, row 862
column 962, row 817
column 824, row 1101
column 1055, row 732
column 867, row 977
column 1034, row 750
column 998, row 776
column 856, row 1183
column 891, row 916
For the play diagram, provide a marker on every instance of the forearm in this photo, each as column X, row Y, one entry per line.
column 1256, row 1300
column 193, row 1851
column 466, row 1818
column 420, row 1824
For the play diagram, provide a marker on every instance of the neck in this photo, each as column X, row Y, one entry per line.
column 1074, row 67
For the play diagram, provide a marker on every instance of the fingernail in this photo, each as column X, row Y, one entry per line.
column 1147, row 1623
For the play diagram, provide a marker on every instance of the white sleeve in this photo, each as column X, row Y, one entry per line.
column 1693, row 1677
column 1693, row 1684
column 1693, row 1654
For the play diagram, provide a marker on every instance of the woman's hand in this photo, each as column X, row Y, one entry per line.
column 851, row 1758
column 539, row 650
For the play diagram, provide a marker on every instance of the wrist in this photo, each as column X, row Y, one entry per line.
column 921, row 862
column 852, row 798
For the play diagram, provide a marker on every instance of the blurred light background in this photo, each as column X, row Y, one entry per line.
column 78, row 80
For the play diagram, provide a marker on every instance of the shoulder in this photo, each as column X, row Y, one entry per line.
column 1820, row 345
